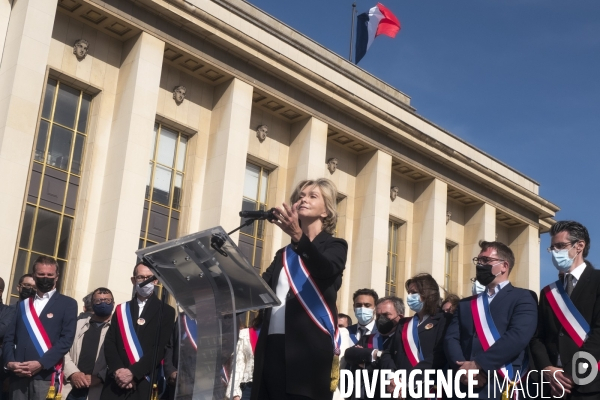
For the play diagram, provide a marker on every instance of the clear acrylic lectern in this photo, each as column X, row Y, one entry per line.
column 211, row 284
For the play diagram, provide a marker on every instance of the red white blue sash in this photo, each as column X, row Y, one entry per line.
column 130, row 339
column 566, row 312
column 310, row 296
column 487, row 332
column 375, row 341
column 39, row 337
column 190, row 330
column 410, row 340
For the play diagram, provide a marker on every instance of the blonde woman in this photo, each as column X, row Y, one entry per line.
column 299, row 338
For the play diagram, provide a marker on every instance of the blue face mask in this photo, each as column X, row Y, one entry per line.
column 103, row 309
column 364, row 315
column 414, row 302
column 561, row 260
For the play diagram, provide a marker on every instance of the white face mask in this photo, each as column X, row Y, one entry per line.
column 477, row 288
column 146, row 290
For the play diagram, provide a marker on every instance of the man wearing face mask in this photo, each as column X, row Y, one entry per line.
column 508, row 312
column 85, row 364
column 26, row 287
column 129, row 358
column 389, row 311
column 36, row 365
column 567, row 306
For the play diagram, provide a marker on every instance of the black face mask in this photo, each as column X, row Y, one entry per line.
column 484, row 274
column 26, row 292
column 384, row 325
column 44, row 285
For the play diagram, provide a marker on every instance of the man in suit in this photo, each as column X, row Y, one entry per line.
column 553, row 346
column 129, row 378
column 513, row 314
column 85, row 364
column 33, row 369
column 364, row 355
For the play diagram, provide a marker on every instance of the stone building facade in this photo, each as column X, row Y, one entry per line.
column 126, row 123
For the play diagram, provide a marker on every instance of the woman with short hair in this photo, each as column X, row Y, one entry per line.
column 299, row 341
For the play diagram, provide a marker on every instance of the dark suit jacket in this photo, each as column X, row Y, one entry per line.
column 114, row 348
column 551, row 339
column 308, row 350
column 430, row 340
column 60, row 329
column 514, row 313
column 361, row 354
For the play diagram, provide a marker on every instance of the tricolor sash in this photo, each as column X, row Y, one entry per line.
column 253, row 337
column 569, row 316
column 488, row 335
column 130, row 339
column 352, row 333
column 410, row 340
column 375, row 341
column 190, row 330
column 310, row 296
column 41, row 341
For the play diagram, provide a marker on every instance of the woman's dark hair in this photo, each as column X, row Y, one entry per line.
column 258, row 320
column 429, row 291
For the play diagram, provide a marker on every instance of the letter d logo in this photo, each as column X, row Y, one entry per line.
column 585, row 368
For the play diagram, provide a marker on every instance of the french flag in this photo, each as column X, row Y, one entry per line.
column 377, row 21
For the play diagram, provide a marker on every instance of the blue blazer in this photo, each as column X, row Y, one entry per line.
column 60, row 328
column 514, row 312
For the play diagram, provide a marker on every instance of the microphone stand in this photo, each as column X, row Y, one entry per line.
column 218, row 240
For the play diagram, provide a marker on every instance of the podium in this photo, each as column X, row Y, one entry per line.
column 211, row 281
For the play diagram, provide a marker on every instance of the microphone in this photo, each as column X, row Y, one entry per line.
column 268, row 214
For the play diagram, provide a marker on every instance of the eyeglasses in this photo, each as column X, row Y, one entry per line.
column 485, row 260
column 141, row 278
column 560, row 245
column 100, row 301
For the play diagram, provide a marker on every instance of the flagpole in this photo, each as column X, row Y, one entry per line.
column 352, row 30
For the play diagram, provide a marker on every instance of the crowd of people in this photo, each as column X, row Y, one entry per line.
column 298, row 349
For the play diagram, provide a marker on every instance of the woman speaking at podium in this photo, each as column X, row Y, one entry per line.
column 296, row 353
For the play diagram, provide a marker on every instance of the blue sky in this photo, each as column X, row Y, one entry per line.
column 520, row 79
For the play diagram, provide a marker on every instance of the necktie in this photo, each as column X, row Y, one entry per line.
column 569, row 288
column 363, row 331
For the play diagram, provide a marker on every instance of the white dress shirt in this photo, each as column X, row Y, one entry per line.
column 368, row 326
column 40, row 302
column 576, row 275
column 141, row 304
column 495, row 290
column 277, row 322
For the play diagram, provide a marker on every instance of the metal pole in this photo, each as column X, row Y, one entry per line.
column 352, row 30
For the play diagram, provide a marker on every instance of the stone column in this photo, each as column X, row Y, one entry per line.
column 126, row 173
column 480, row 224
column 429, row 228
column 227, row 152
column 26, row 44
column 371, row 219
column 307, row 152
column 525, row 243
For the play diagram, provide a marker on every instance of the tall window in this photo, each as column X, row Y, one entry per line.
column 252, row 237
column 392, row 260
column 166, row 169
column 54, row 180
